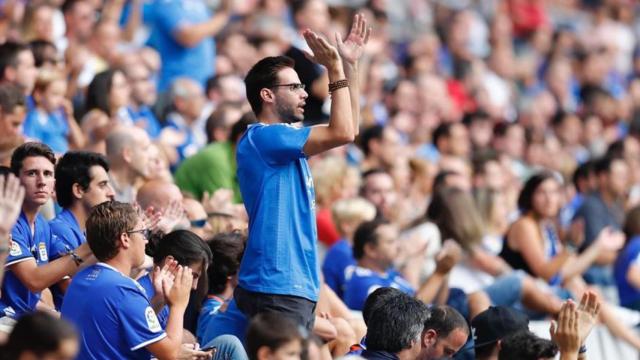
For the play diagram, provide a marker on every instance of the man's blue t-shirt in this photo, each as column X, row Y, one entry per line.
column 277, row 189
column 145, row 116
column 630, row 255
column 361, row 282
column 208, row 312
column 51, row 129
column 16, row 299
column 230, row 322
column 195, row 62
column 338, row 258
column 112, row 314
column 66, row 230
column 147, row 285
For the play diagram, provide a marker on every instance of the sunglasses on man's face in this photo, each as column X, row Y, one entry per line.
column 198, row 224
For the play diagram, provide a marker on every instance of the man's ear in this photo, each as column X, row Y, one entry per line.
column 429, row 338
column 126, row 154
column 264, row 353
column 125, row 240
column 77, row 191
column 267, row 95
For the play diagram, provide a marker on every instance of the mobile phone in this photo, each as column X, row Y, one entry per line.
column 208, row 348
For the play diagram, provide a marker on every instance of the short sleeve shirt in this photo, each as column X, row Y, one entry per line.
column 16, row 299
column 362, row 282
column 278, row 193
column 112, row 314
column 67, row 232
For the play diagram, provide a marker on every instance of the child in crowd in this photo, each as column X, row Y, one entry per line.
column 263, row 343
column 52, row 121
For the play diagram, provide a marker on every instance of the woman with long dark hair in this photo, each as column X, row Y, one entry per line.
column 533, row 245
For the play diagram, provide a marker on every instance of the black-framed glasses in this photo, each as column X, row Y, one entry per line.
column 292, row 86
column 145, row 232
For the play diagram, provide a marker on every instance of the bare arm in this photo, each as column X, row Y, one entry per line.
column 339, row 131
column 191, row 35
column 11, row 196
column 178, row 298
column 524, row 237
column 351, row 51
column 608, row 241
column 37, row 278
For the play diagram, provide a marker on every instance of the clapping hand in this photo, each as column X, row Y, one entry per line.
column 588, row 312
column 352, row 48
column 323, row 52
column 11, row 196
column 565, row 333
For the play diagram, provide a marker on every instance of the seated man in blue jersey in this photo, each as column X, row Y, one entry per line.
column 375, row 248
column 11, row 196
column 348, row 214
column 111, row 310
column 29, row 270
column 82, row 182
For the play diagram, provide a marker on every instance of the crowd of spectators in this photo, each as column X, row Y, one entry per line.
column 494, row 177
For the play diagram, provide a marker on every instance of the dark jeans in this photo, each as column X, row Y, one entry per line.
column 299, row 309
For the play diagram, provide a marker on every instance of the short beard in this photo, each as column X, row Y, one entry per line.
column 287, row 115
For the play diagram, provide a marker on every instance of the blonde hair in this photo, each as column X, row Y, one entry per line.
column 45, row 78
column 328, row 176
column 356, row 209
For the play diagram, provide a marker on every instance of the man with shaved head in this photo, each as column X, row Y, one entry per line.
column 158, row 194
column 128, row 151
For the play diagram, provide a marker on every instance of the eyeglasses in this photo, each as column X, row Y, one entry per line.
column 145, row 232
column 198, row 224
column 292, row 86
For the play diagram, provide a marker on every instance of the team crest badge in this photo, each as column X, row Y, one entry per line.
column 152, row 320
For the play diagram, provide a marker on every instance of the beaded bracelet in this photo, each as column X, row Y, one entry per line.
column 338, row 85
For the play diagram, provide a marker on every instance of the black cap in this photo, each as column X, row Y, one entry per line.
column 495, row 323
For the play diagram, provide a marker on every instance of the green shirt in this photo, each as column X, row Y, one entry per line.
column 212, row 168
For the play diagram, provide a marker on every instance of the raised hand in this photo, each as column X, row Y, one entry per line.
column 352, row 48
column 588, row 312
column 178, row 292
column 323, row 52
column 164, row 277
column 11, row 196
column 565, row 333
column 609, row 239
column 448, row 257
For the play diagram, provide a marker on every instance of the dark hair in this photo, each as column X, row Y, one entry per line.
column 39, row 333
column 603, row 165
column 99, row 90
column 443, row 130
column 525, row 199
column 632, row 223
column 366, row 234
column 377, row 300
column 480, row 159
column 74, row 168
column 30, row 149
column 525, row 345
column 261, row 333
column 478, row 115
column 227, row 250
column 238, row 129
column 398, row 324
column 106, row 222
column 5, row 170
column 440, row 180
column 185, row 246
column 616, row 149
column 368, row 134
column 9, row 52
column 218, row 119
column 444, row 319
column 39, row 48
column 366, row 175
column 264, row 74
column 11, row 96
column 68, row 5
column 582, row 172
